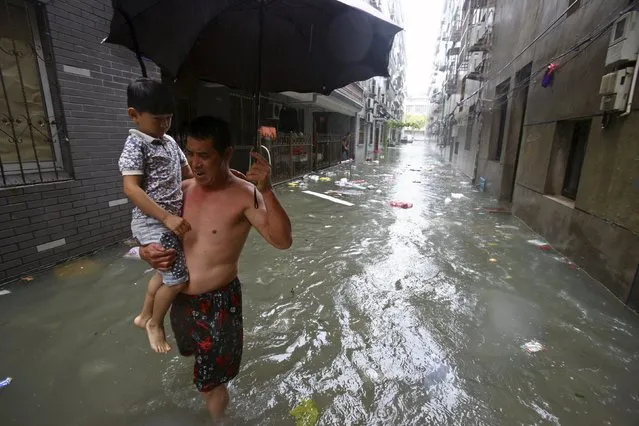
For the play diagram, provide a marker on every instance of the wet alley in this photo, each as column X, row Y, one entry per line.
column 448, row 312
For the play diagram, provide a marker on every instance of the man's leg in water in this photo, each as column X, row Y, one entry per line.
column 147, row 308
column 217, row 399
column 155, row 326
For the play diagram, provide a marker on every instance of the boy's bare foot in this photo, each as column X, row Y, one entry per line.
column 157, row 339
column 141, row 320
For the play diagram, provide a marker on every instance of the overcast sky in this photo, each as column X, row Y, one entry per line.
column 421, row 25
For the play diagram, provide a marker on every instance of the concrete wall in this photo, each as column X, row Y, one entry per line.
column 45, row 223
column 600, row 228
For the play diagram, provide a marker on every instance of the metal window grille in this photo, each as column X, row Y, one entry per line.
column 30, row 138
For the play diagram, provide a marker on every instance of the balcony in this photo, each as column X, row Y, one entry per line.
column 353, row 92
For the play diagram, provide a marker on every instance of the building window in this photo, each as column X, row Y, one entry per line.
column 574, row 5
column 501, row 109
column 30, row 150
column 580, row 134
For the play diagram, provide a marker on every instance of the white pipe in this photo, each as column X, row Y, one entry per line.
column 633, row 86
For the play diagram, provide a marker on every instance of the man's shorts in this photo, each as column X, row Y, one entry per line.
column 209, row 326
column 148, row 231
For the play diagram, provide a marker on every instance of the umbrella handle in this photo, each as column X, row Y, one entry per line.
column 268, row 157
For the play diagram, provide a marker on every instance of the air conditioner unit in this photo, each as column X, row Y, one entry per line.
column 615, row 89
column 273, row 110
column 624, row 40
column 477, row 32
column 475, row 60
column 369, row 117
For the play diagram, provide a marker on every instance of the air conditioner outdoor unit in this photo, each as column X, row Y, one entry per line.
column 370, row 103
column 615, row 88
column 476, row 58
column 369, row 117
column 624, row 40
column 477, row 32
column 273, row 110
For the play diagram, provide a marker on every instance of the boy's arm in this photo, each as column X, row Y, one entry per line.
column 186, row 172
column 135, row 193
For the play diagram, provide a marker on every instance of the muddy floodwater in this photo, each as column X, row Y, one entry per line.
column 378, row 315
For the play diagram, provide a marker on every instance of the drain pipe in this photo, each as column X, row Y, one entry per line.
column 633, row 86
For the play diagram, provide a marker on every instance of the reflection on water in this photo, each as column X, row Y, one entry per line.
column 380, row 316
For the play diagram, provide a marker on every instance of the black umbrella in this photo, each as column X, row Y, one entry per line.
column 259, row 45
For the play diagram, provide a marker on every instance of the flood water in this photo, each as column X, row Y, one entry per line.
column 380, row 316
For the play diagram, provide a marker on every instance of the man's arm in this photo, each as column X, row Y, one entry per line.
column 270, row 218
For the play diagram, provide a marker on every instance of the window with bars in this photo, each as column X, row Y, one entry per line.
column 30, row 150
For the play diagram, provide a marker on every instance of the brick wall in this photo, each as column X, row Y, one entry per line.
column 46, row 223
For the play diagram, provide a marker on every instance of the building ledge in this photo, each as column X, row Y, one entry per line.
column 561, row 200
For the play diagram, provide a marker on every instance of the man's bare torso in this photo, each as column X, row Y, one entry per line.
column 218, row 232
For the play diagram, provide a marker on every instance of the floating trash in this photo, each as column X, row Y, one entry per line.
column 533, row 346
column 401, row 204
column 457, row 196
column 134, row 253
column 492, row 260
column 4, row 292
column 27, row 279
column 448, row 200
column 6, row 382
column 314, row 178
column 325, row 179
column 498, row 210
column 541, row 245
column 305, row 413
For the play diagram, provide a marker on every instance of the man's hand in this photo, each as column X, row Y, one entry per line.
column 177, row 225
column 260, row 172
column 156, row 256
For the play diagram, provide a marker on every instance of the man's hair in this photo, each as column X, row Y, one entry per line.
column 216, row 129
column 152, row 96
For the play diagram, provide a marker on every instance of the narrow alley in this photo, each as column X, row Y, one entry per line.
column 377, row 315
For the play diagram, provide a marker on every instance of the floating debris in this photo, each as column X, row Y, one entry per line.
column 134, row 253
column 541, row 245
column 492, row 260
column 401, row 204
column 305, row 413
column 498, row 210
column 457, row 196
column 6, row 382
column 27, row 279
column 4, row 292
column 448, row 200
column 533, row 346
column 325, row 179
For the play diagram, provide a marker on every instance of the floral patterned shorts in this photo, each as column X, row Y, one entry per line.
column 209, row 326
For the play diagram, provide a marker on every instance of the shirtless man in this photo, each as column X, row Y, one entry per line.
column 221, row 208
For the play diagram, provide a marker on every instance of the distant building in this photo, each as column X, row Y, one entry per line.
column 542, row 107
column 417, row 106
column 384, row 97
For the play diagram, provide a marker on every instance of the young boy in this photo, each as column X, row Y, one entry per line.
column 153, row 166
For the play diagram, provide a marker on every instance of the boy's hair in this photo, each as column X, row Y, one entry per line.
column 151, row 96
column 216, row 129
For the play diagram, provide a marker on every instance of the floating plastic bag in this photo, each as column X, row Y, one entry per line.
column 532, row 347
column 305, row 413
column 134, row 253
column 541, row 245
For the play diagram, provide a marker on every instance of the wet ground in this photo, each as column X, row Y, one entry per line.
column 379, row 315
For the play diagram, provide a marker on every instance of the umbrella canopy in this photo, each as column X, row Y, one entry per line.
column 259, row 45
